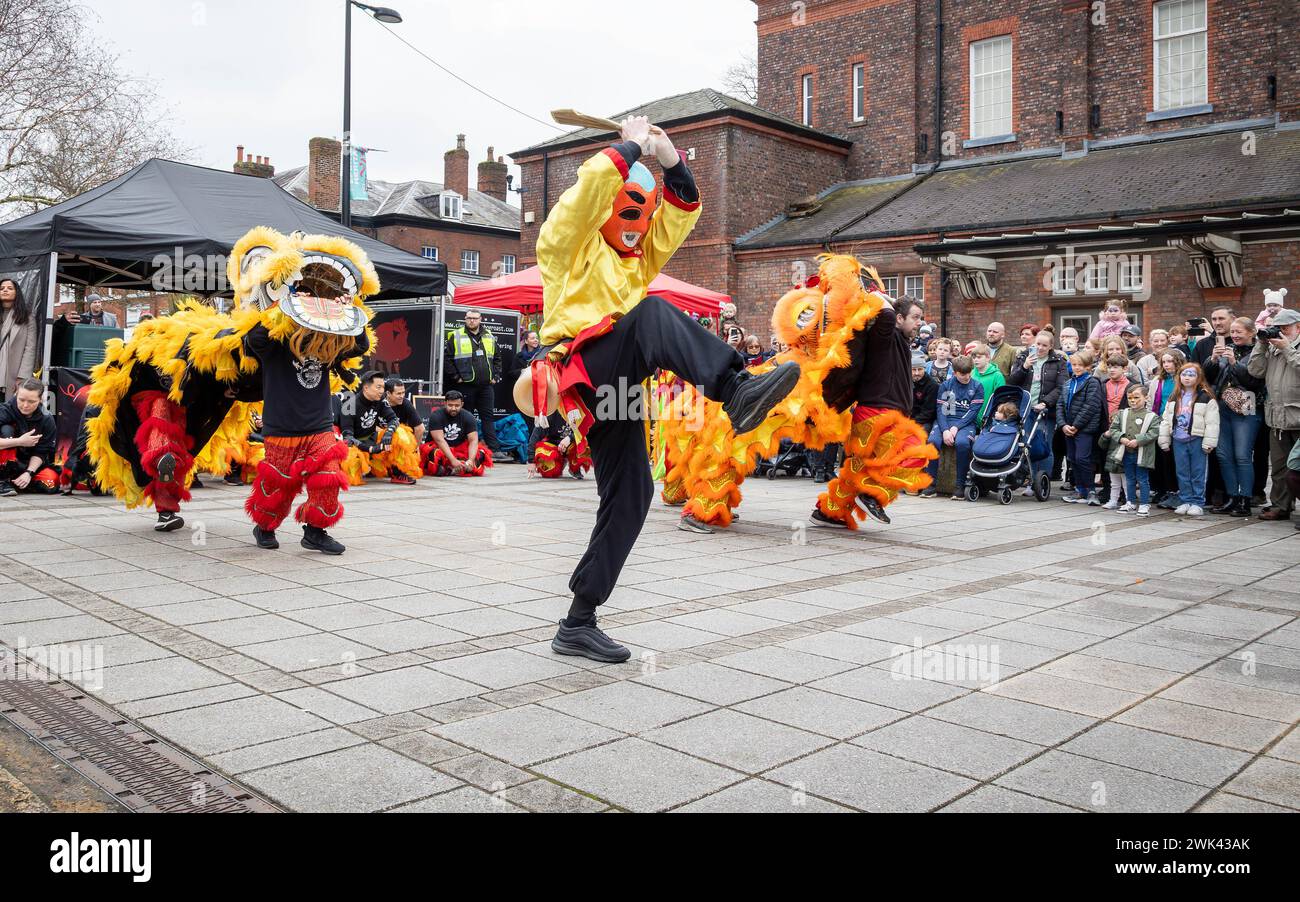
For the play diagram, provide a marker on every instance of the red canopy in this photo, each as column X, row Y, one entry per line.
column 522, row 291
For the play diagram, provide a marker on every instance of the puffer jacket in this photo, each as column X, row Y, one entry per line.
column 1280, row 371
column 1055, row 373
column 1205, row 421
column 1084, row 408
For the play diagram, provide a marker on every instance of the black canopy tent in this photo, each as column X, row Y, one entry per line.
column 169, row 226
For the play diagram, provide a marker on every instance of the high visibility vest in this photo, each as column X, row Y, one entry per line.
column 463, row 348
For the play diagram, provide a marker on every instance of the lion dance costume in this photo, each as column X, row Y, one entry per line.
column 884, row 451
column 600, row 247
column 179, row 388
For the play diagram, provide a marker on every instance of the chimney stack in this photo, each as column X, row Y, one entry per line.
column 324, row 173
column 492, row 176
column 258, row 167
column 455, row 168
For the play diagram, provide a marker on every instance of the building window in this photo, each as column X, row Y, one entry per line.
column 1180, row 58
column 451, row 206
column 914, row 286
column 1062, row 280
column 990, row 88
column 859, row 92
column 1130, row 274
column 1096, row 278
column 507, row 264
column 891, row 285
column 429, row 253
column 806, row 88
column 469, row 262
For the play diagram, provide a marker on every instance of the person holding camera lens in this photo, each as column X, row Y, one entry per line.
column 1276, row 360
column 1240, row 414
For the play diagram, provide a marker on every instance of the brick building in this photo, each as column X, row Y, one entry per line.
column 474, row 231
column 1050, row 156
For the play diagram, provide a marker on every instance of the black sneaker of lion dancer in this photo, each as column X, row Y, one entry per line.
column 587, row 641
column 755, row 396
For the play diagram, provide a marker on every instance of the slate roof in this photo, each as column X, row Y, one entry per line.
column 692, row 105
column 1209, row 172
column 403, row 199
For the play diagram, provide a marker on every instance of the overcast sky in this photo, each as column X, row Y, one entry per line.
column 268, row 74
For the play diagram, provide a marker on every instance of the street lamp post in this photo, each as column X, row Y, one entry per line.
column 388, row 17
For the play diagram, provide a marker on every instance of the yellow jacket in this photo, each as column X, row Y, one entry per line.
column 583, row 278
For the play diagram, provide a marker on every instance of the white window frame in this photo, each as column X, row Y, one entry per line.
column 1096, row 278
column 429, row 252
column 1132, row 276
column 1063, row 280
column 469, row 259
column 891, row 285
column 806, row 101
column 508, row 263
column 1162, row 41
column 859, row 92
column 451, row 206
column 919, row 281
column 992, row 128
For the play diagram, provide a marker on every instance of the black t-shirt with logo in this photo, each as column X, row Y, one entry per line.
column 406, row 414
column 296, row 392
column 362, row 418
column 455, row 429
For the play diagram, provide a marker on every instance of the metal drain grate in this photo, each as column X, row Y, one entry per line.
column 138, row 769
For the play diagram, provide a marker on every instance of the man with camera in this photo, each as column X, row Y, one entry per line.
column 1276, row 360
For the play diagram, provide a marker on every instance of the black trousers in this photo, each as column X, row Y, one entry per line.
column 826, row 460
column 654, row 335
column 482, row 399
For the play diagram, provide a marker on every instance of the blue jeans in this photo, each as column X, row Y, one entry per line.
column 1137, row 480
column 963, row 443
column 1236, row 451
column 1191, row 462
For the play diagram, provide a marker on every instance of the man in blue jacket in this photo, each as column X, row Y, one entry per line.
column 956, row 419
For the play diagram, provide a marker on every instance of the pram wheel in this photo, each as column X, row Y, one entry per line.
column 972, row 492
column 1004, row 496
column 1042, row 487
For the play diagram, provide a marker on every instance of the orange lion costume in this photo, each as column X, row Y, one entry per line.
column 885, row 452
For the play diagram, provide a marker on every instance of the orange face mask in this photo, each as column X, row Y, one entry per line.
column 633, row 207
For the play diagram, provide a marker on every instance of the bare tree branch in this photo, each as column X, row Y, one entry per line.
column 741, row 79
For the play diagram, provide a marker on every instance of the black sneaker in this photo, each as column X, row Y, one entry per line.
column 576, row 474
column 7, row 489
column 873, row 507
column 317, row 539
column 817, row 518
column 265, row 538
column 196, row 484
column 168, row 522
column 928, row 492
column 233, row 479
column 166, row 467
column 755, row 396
column 401, row 479
column 689, row 524
column 588, row 642
column 820, row 477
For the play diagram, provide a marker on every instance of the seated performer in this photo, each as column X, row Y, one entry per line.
column 395, row 395
column 453, row 448
column 27, row 435
column 600, row 247
column 551, row 448
column 376, row 443
column 886, row 451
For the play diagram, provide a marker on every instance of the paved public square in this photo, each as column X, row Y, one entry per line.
column 1086, row 660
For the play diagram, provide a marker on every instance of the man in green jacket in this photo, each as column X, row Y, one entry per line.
column 1277, row 362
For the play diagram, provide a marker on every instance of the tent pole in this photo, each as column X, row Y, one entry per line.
column 51, row 296
column 439, row 343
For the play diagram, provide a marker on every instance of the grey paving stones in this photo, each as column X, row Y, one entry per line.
column 713, row 683
column 1099, row 786
column 639, row 776
column 525, row 735
column 1158, row 753
column 233, row 724
column 1011, row 717
column 361, row 778
column 761, row 796
column 738, row 740
column 407, row 689
column 870, row 781
column 503, row 668
column 626, row 706
column 948, row 746
column 820, row 712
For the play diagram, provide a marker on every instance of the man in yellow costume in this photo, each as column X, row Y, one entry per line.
column 599, row 249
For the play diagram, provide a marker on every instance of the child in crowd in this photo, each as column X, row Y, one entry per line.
column 1079, row 411
column 988, row 374
column 1007, row 413
column 1117, row 384
column 1131, row 443
column 1164, row 386
column 1111, row 322
column 940, row 365
column 1273, row 303
column 1190, row 426
column 960, row 399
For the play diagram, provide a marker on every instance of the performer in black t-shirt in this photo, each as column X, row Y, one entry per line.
column 395, row 395
column 377, row 442
column 453, row 448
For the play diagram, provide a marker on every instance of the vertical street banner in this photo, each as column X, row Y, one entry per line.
column 359, row 174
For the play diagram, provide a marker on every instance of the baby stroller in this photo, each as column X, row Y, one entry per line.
column 1002, row 453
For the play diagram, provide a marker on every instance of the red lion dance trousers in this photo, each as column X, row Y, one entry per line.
column 162, row 431
column 292, row 462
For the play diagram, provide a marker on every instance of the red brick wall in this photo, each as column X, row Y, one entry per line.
column 450, row 243
column 1062, row 59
